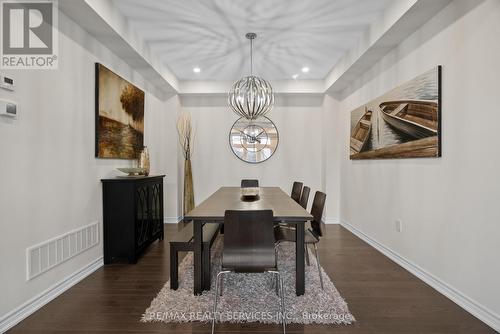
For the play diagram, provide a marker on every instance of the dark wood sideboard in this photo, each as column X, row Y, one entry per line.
column 132, row 215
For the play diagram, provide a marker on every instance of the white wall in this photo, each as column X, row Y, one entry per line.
column 161, row 138
column 299, row 155
column 49, row 178
column 331, row 158
column 449, row 206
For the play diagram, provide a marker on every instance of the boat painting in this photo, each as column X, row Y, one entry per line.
column 361, row 133
column 403, row 123
column 416, row 118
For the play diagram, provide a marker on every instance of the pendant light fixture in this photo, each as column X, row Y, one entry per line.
column 251, row 96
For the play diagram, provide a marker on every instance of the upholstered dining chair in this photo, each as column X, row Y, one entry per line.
column 296, row 191
column 249, row 248
column 249, row 183
column 304, row 198
column 313, row 234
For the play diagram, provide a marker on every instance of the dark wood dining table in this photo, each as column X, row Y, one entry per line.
column 211, row 211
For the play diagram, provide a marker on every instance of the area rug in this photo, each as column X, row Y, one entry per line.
column 251, row 297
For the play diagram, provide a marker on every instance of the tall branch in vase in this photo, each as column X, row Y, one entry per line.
column 186, row 136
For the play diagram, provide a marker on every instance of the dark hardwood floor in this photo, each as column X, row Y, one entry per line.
column 383, row 297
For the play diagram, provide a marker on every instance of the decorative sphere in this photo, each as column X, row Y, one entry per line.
column 251, row 97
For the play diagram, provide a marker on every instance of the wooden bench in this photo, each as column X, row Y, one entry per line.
column 183, row 242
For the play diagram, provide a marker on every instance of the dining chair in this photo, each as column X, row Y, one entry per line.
column 249, row 248
column 249, row 183
column 313, row 234
column 296, row 191
column 304, row 198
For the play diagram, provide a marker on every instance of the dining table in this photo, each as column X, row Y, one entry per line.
column 212, row 211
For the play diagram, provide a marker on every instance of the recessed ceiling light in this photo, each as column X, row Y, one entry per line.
column 295, row 76
column 196, row 70
column 305, row 69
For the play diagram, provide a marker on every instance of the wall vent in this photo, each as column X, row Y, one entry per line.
column 48, row 254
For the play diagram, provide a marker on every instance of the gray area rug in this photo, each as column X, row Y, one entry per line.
column 251, row 297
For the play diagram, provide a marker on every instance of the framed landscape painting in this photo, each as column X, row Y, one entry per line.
column 403, row 123
column 119, row 129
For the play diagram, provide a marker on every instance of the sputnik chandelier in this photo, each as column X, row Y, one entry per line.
column 251, row 96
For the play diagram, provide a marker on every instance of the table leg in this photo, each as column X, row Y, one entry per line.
column 198, row 256
column 299, row 259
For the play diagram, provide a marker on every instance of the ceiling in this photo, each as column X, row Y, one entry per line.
column 210, row 34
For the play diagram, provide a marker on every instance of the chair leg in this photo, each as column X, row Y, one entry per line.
column 307, row 255
column 219, row 275
column 319, row 267
column 276, row 281
column 221, row 284
column 277, row 286
column 282, row 298
column 283, row 304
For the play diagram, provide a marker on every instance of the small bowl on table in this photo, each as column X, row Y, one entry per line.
column 250, row 193
column 132, row 171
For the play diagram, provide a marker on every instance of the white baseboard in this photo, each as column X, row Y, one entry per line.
column 172, row 220
column 331, row 221
column 473, row 307
column 23, row 311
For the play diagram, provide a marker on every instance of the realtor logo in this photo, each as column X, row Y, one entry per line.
column 29, row 39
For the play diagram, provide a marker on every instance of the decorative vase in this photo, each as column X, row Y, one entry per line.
column 144, row 161
column 188, row 187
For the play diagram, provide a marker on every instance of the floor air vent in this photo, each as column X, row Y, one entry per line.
column 50, row 253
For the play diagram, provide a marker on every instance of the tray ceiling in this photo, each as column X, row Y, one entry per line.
column 209, row 34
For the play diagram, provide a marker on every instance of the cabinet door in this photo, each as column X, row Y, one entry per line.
column 156, row 209
column 142, row 225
